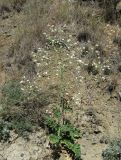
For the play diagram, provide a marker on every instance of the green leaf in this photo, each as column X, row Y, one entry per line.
column 75, row 148
column 54, row 139
column 70, row 131
column 57, row 113
column 51, row 123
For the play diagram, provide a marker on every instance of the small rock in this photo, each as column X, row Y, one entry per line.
column 94, row 140
column 90, row 112
column 22, row 155
column 104, row 140
column 97, row 130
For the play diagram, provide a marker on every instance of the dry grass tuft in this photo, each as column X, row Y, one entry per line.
column 9, row 5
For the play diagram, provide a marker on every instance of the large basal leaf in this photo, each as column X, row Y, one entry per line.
column 75, row 148
column 54, row 139
column 71, row 130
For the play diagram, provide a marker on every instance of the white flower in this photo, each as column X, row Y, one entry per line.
column 34, row 60
column 80, row 61
column 64, row 25
column 81, row 80
column 97, row 51
column 97, row 45
column 70, row 36
column 69, row 40
column 96, row 66
column 103, row 78
column 73, row 52
column 38, row 64
column 72, row 57
column 44, row 33
column 52, row 30
column 34, row 55
column 67, row 93
column 86, row 64
column 21, row 82
column 75, row 43
column 45, row 73
column 83, row 48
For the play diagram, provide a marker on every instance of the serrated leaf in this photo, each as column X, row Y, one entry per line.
column 71, row 131
column 51, row 123
column 54, row 139
column 75, row 148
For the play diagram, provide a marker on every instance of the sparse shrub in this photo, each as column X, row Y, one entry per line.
column 61, row 12
column 92, row 69
column 109, row 7
column 85, row 51
column 110, row 11
column 4, row 8
column 17, row 5
column 22, row 106
column 113, row 152
column 117, row 40
column 12, row 93
column 107, row 71
column 55, row 43
column 21, row 125
column 4, row 131
column 112, row 86
column 12, row 112
column 10, row 5
column 119, row 68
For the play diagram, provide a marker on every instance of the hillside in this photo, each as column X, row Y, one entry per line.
column 60, row 80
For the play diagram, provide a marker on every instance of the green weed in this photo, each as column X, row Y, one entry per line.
column 62, row 133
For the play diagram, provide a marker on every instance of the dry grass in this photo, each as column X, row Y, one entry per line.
column 30, row 36
column 37, row 15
